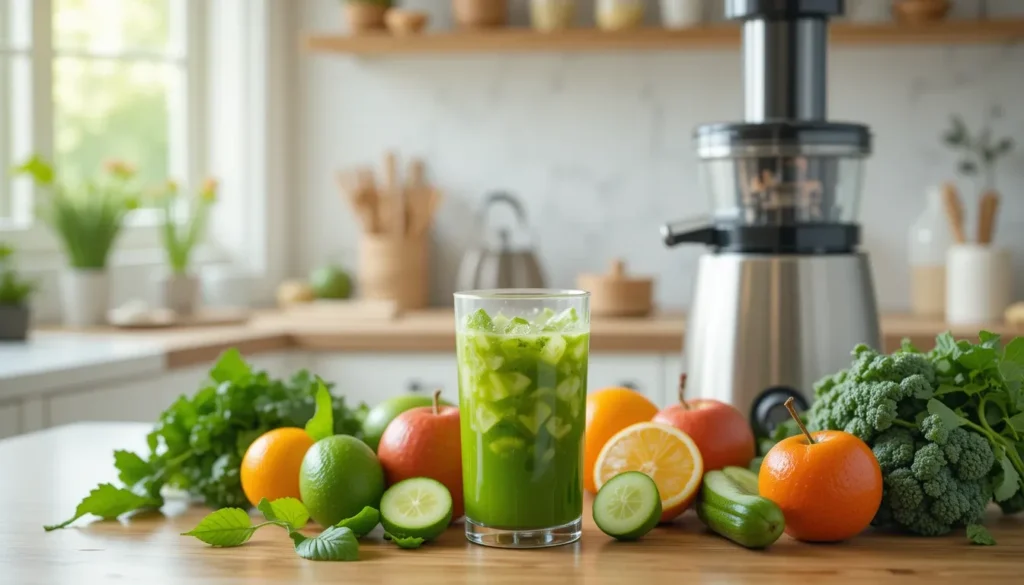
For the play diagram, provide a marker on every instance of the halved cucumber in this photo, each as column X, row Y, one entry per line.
column 627, row 506
column 420, row 507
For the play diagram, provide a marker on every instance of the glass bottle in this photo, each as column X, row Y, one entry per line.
column 928, row 240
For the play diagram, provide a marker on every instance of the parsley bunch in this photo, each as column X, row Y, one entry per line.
column 198, row 443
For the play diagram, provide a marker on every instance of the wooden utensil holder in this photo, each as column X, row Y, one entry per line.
column 395, row 268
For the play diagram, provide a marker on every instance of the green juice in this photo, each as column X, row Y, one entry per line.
column 522, row 393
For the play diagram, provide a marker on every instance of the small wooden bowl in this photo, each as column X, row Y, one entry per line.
column 920, row 11
column 617, row 295
column 405, row 22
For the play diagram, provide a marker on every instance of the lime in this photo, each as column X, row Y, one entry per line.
column 418, row 507
column 330, row 282
column 339, row 476
column 627, row 506
column 380, row 416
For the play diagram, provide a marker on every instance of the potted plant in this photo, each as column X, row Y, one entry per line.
column 14, row 294
column 184, row 223
column 87, row 219
column 365, row 15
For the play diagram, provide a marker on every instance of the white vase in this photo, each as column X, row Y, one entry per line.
column 178, row 292
column 681, row 13
column 85, row 297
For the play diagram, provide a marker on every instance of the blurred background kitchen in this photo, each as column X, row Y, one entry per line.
column 304, row 145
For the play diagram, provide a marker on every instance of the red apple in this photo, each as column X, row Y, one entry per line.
column 425, row 442
column 720, row 431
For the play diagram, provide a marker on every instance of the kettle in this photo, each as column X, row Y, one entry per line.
column 505, row 266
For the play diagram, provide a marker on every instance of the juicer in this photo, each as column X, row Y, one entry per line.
column 782, row 294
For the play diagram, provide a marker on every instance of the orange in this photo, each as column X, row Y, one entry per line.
column 609, row 411
column 270, row 467
column 828, row 491
column 666, row 454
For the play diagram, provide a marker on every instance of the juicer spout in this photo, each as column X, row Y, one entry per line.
column 689, row 231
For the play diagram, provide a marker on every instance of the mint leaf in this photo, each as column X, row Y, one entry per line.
column 362, row 523
column 132, row 468
column 1009, row 482
column 950, row 419
column 978, row 534
column 407, row 542
column 333, row 544
column 989, row 339
column 225, row 527
column 230, row 367
column 107, row 502
column 322, row 424
column 289, row 511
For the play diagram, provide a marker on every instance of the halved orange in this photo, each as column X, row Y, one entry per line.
column 666, row 454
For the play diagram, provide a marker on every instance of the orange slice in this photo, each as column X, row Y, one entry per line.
column 666, row 454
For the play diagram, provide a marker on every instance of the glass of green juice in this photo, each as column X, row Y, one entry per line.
column 522, row 359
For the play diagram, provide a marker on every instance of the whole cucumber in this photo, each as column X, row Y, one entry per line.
column 729, row 505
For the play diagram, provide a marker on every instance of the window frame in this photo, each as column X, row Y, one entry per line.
column 187, row 158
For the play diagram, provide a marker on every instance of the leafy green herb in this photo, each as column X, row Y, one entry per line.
column 321, row 425
column 362, row 523
column 198, row 443
column 229, row 527
column 108, row 502
column 949, row 418
column 14, row 290
column 407, row 542
column 334, row 544
column 978, row 534
column 1008, row 484
column 287, row 510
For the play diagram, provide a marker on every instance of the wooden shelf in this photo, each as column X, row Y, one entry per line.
column 523, row 40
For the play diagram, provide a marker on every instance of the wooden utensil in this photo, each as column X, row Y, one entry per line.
column 954, row 212
column 988, row 207
column 395, row 212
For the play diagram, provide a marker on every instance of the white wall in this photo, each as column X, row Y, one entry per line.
column 598, row 145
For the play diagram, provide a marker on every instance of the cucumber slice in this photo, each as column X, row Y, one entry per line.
column 419, row 507
column 553, row 350
column 627, row 506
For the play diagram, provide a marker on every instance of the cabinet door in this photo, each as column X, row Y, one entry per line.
column 642, row 373
column 10, row 420
column 372, row 377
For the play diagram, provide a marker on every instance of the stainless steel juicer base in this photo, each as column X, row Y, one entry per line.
column 764, row 327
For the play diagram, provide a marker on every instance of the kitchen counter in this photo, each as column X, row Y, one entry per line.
column 61, row 465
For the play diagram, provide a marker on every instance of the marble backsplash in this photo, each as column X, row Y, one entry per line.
column 598, row 146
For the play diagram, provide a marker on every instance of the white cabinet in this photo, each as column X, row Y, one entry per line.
column 640, row 372
column 372, row 377
column 10, row 420
column 144, row 399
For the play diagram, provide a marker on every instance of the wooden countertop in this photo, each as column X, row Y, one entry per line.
column 52, row 470
column 433, row 331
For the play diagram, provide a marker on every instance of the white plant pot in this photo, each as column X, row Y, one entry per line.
column 85, row 297
column 978, row 284
column 682, row 13
column 178, row 292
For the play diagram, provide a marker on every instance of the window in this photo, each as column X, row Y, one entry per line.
column 83, row 81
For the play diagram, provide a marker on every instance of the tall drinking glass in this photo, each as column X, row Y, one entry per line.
column 522, row 359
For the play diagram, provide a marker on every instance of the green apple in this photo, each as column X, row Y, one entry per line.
column 380, row 416
column 330, row 282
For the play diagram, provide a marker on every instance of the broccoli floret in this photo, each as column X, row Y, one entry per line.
column 934, row 430
column 928, row 461
column 860, row 408
column 969, row 453
column 894, row 449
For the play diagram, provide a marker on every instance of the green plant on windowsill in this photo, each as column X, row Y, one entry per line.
column 184, row 222
column 87, row 218
column 978, row 153
column 14, row 290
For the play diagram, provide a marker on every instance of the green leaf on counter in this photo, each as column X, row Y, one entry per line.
column 321, row 425
column 334, row 544
column 290, row 511
column 228, row 527
column 108, row 502
column 406, row 542
column 362, row 523
column 132, row 468
column 978, row 534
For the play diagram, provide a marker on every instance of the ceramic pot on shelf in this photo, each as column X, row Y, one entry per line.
column 14, row 321
column 678, row 14
column 550, row 15
column 85, row 296
column 177, row 292
column 613, row 15
column 364, row 17
column 480, row 13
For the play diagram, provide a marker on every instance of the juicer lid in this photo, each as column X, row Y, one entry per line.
column 783, row 138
